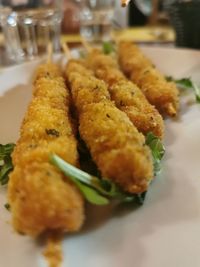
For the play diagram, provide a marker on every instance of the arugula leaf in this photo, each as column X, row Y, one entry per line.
column 95, row 190
column 6, row 165
column 81, row 179
column 92, row 195
column 136, row 198
column 187, row 83
column 108, row 48
column 157, row 150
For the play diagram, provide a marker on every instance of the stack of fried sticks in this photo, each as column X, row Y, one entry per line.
column 113, row 117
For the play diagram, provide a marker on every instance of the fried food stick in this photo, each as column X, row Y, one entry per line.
column 159, row 92
column 126, row 95
column 41, row 198
column 116, row 146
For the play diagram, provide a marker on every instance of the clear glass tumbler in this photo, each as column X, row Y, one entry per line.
column 8, row 23
column 96, row 19
column 29, row 25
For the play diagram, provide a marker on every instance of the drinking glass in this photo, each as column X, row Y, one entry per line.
column 29, row 25
column 8, row 23
column 96, row 19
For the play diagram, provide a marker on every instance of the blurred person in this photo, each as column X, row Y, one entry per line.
column 141, row 12
column 135, row 16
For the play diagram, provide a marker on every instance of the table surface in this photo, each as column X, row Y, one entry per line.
column 138, row 34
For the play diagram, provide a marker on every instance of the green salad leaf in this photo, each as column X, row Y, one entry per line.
column 97, row 191
column 90, row 194
column 187, row 83
column 157, row 150
column 108, row 48
column 6, row 165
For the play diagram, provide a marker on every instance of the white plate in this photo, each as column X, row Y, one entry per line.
column 164, row 232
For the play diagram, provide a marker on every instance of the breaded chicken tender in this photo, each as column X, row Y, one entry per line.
column 78, row 66
column 132, row 59
column 116, row 146
column 118, row 149
column 48, row 70
column 126, row 95
column 86, row 88
column 162, row 94
column 41, row 197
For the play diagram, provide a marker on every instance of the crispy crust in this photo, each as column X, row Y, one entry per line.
column 41, row 197
column 162, row 94
column 115, row 144
column 126, row 95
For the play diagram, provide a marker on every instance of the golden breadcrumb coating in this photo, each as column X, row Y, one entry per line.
column 41, row 197
column 115, row 144
column 132, row 59
column 162, row 94
column 54, row 91
column 126, row 95
column 84, row 91
column 48, row 70
column 75, row 65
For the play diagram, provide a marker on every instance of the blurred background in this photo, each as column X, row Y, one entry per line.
column 27, row 26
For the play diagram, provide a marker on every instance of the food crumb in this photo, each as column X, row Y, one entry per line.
column 53, row 250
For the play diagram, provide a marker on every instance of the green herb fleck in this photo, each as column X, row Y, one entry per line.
column 185, row 84
column 96, row 191
column 108, row 48
column 6, row 165
column 82, row 54
column 52, row 132
column 157, row 150
column 7, row 206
